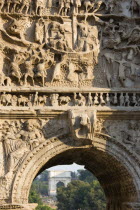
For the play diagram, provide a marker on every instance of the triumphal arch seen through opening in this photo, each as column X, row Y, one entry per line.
column 70, row 92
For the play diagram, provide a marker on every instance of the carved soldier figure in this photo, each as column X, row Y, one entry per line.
column 82, row 36
column 39, row 7
column 67, row 7
column 15, row 69
column 12, row 4
column 61, row 6
column 28, row 72
column 96, row 99
column 127, row 100
column 76, row 4
column 122, row 100
column 26, row 4
column 134, row 100
column 90, row 100
column 35, row 103
column 39, row 31
column 54, row 99
column 102, row 101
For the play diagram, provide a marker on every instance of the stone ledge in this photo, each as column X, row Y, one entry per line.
column 31, row 206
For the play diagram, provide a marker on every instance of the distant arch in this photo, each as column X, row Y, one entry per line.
column 111, row 162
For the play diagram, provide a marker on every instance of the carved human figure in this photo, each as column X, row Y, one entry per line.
column 39, row 31
column 32, row 134
column 122, row 100
column 115, row 99
column 76, row 101
column 110, row 5
column 61, row 7
column 127, row 100
column 26, row 5
column 67, row 7
column 40, row 7
column 122, row 67
column 41, row 71
column 15, row 148
column 60, row 41
column 96, row 99
column 89, row 100
column 35, row 101
column 134, row 36
column 134, row 100
column 54, row 99
column 14, row 67
column 57, row 69
column 14, row 100
column 82, row 100
column 108, row 99
column 135, row 7
column 76, row 5
column 12, row 5
column 28, row 72
column 102, row 101
column 82, row 36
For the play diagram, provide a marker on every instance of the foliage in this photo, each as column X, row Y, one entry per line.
column 43, row 176
column 83, row 194
column 86, row 176
column 41, row 187
column 35, row 198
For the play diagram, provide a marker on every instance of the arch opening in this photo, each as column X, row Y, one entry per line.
column 115, row 177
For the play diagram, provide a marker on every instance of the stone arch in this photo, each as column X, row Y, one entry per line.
column 60, row 183
column 110, row 161
column 55, row 177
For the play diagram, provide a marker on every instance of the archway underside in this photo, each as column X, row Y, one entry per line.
column 116, row 177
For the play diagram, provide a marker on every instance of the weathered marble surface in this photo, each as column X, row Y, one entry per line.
column 70, row 92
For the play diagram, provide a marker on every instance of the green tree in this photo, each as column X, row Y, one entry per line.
column 34, row 197
column 86, row 176
column 83, row 195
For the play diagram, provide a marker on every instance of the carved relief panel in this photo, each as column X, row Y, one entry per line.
column 69, row 43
